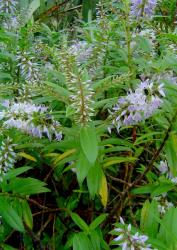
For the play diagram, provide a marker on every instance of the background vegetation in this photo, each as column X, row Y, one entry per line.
column 88, row 109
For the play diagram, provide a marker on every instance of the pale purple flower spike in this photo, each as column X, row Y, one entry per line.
column 137, row 105
column 32, row 119
column 143, row 8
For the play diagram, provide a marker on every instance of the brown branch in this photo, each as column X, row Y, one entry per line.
column 50, row 210
column 118, row 180
column 52, row 9
column 119, row 205
column 44, row 226
column 37, row 204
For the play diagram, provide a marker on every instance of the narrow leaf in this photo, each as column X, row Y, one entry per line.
column 97, row 221
column 10, row 215
column 27, row 215
column 89, row 143
column 103, row 192
column 79, row 222
column 27, row 156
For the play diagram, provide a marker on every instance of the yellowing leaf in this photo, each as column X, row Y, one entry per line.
column 64, row 155
column 103, row 192
column 109, row 145
column 52, row 155
column 27, row 156
column 119, row 160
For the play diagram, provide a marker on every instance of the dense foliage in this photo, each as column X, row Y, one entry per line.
column 88, row 119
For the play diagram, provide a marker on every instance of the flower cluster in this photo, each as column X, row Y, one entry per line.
column 129, row 241
column 31, row 119
column 81, row 50
column 10, row 20
column 164, row 169
column 7, row 156
column 28, row 67
column 163, row 204
column 8, row 6
column 138, row 105
column 80, row 88
column 142, row 8
column 167, row 76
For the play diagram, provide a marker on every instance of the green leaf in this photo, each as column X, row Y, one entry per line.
column 147, row 137
column 27, row 215
column 24, row 4
column 97, row 221
column 89, row 143
column 34, row 5
column 79, row 222
column 58, row 88
column 88, row 6
column 6, row 57
column 94, row 180
column 162, row 187
column 143, row 44
column 168, row 229
column 144, row 189
column 27, row 186
column 159, row 187
column 10, row 215
column 5, row 76
column 7, row 247
column 15, row 172
column 148, row 223
column 95, row 239
column 81, row 242
column 171, row 153
column 83, row 166
column 158, row 244
column 70, row 111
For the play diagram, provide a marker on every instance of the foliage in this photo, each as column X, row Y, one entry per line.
column 88, row 95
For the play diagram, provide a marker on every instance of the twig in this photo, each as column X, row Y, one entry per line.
column 118, row 180
column 44, row 226
column 51, row 10
column 118, row 206
column 37, row 204
column 52, row 210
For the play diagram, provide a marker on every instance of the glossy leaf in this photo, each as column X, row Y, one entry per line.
column 89, row 143
column 149, row 223
column 10, row 215
column 81, row 241
column 94, row 180
column 79, row 222
column 97, row 221
column 27, row 215
column 168, row 229
column 82, row 167
column 27, row 186
column 27, row 156
column 103, row 191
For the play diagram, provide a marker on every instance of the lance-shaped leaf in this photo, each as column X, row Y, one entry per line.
column 9, row 214
column 89, row 143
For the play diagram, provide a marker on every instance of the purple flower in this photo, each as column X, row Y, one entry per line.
column 31, row 119
column 143, row 8
column 138, row 105
column 8, row 6
column 129, row 241
column 7, row 156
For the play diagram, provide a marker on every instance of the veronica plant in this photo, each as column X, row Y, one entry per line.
column 89, row 110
